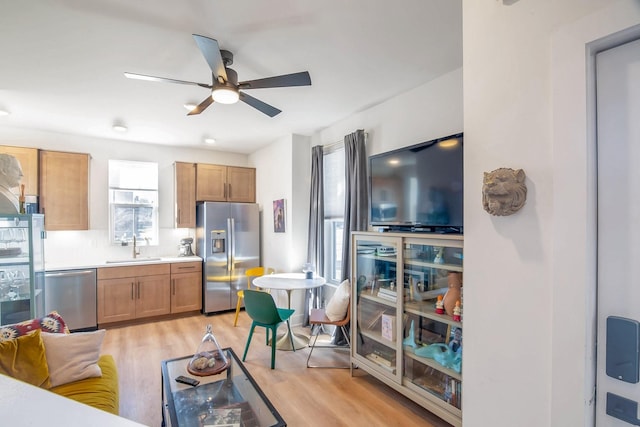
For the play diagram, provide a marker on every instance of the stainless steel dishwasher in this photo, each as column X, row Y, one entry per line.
column 72, row 293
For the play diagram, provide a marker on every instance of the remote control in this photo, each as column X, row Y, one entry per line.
column 186, row 380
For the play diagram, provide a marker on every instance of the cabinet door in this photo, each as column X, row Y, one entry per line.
column 241, row 184
column 185, row 196
column 186, row 292
column 116, row 300
column 433, row 270
column 378, row 294
column 211, row 183
column 28, row 158
column 152, row 295
column 64, row 184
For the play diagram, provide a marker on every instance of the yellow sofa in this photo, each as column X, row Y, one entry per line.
column 100, row 392
column 42, row 352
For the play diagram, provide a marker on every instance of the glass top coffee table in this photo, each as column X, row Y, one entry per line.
column 231, row 398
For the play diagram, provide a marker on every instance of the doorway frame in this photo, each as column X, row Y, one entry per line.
column 574, row 273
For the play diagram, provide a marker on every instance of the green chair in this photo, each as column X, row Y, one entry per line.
column 262, row 309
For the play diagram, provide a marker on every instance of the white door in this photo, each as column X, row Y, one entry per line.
column 618, row 148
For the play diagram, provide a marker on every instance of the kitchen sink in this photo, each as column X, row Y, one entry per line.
column 130, row 260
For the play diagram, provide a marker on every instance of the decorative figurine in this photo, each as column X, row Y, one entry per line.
column 410, row 340
column 439, row 258
column 10, row 176
column 439, row 305
column 457, row 311
column 454, row 281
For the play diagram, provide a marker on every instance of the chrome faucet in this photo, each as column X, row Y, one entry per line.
column 136, row 252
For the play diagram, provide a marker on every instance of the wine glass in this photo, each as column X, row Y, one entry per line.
column 5, row 237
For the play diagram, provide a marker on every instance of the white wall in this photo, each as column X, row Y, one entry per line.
column 529, row 309
column 426, row 112
column 283, row 171
column 93, row 245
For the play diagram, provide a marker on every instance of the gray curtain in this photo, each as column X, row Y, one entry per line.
column 356, row 195
column 315, row 245
column 356, row 203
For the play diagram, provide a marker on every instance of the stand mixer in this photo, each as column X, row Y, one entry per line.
column 185, row 247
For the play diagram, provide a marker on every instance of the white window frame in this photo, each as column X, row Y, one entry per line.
column 138, row 179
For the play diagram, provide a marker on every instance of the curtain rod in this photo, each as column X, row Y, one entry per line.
column 339, row 144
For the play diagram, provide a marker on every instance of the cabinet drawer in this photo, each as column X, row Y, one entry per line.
column 133, row 271
column 186, row 267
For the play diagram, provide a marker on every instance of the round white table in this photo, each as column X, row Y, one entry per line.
column 289, row 282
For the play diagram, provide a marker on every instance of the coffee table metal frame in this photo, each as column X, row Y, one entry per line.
column 258, row 400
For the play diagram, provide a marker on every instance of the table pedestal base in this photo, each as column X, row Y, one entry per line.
column 284, row 343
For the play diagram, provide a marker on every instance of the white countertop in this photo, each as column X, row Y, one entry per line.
column 73, row 265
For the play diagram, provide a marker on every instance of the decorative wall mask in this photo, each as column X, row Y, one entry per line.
column 504, row 191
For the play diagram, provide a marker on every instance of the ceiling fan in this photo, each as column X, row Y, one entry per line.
column 225, row 88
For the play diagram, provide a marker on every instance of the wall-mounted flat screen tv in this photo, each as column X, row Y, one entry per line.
column 418, row 188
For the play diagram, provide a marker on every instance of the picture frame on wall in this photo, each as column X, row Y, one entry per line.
column 279, row 216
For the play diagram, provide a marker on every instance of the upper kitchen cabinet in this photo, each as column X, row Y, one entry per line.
column 64, row 190
column 217, row 183
column 28, row 158
column 185, row 197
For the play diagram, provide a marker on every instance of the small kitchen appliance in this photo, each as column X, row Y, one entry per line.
column 185, row 247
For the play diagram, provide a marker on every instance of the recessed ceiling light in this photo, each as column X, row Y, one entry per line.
column 210, row 140
column 119, row 128
column 190, row 106
column 4, row 113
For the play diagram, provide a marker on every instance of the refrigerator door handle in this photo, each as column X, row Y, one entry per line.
column 233, row 243
column 229, row 245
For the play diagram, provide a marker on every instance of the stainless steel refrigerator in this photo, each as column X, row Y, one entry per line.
column 228, row 241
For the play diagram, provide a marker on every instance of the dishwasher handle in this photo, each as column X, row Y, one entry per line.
column 69, row 273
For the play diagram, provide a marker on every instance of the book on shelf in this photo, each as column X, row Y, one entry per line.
column 388, row 329
column 381, row 361
column 387, row 297
column 387, row 291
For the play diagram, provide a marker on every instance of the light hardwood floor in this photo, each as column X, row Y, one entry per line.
column 302, row 396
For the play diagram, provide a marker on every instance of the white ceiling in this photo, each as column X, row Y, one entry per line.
column 63, row 63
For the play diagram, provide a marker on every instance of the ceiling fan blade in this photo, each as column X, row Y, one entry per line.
column 259, row 105
column 211, row 52
column 164, row 80
column 286, row 80
column 202, row 106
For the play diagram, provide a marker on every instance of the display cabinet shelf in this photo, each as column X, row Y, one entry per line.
column 409, row 352
column 396, row 279
column 427, row 309
column 418, row 263
column 378, row 300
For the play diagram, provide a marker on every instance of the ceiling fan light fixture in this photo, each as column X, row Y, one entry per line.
column 225, row 95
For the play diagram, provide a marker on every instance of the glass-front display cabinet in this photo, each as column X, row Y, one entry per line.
column 21, row 267
column 408, row 301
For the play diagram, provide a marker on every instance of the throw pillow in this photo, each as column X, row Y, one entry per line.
column 73, row 357
column 336, row 309
column 24, row 359
column 52, row 322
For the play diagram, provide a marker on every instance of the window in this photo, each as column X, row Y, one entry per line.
column 333, row 168
column 133, row 201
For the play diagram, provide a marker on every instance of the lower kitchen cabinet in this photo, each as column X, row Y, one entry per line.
column 133, row 292
column 186, row 286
